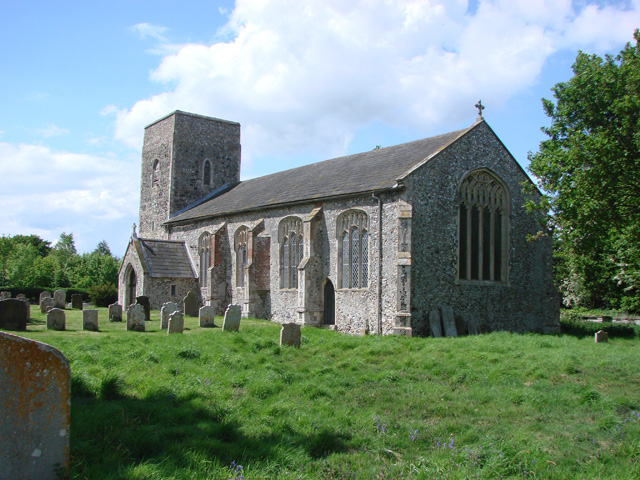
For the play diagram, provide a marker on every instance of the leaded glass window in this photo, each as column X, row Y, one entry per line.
column 291, row 251
column 204, row 249
column 353, row 250
column 242, row 234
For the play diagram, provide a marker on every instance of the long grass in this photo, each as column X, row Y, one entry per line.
column 222, row 405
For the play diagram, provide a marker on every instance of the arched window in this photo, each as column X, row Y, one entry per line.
column 206, row 176
column 353, row 249
column 155, row 176
column 291, row 243
column 483, row 225
column 204, row 250
column 242, row 234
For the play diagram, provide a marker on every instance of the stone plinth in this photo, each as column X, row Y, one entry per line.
column 232, row 317
column 290, row 335
column 56, row 319
column 206, row 316
column 176, row 323
column 135, row 318
column 165, row 312
column 90, row 320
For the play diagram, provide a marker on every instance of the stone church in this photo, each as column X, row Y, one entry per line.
column 375, row 241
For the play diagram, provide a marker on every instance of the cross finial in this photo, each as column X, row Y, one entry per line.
column 134, row 231
column 480, row 107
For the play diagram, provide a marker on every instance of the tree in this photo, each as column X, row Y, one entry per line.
column 590, row 168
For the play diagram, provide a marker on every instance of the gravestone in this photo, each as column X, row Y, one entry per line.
column 206, row 316
column 5, row 295
column 602, row 336
column 115, row 312
column 448, row 321
column 434, row 323
column 45, row 304
column 35, row 394
column 56, row 319
column 473, row 325
column 176, row 323
column 144, row 301
column 191, row 304
column 76, row 301
column 43, row 295
column 290, row 334
column 59, row 298
column 166, row 310
column 90, row 320
column 23, row 297
column 232, row 317
column 135, row 317
column 13, row 314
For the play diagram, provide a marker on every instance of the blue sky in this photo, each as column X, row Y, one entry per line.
column 307, row 79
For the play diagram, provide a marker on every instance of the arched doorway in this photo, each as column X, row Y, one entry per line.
column 131, row 281
column 329, row 313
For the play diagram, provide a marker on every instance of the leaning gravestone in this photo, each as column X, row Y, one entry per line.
column 43, row 295
column 473, row 325
column 115, row 312
column 35, row 394
column 13, row 314
column 56, row 319
column 46, row 303
column 448, row 321
column 176, row 323
column 144, row 301
column 207, row 316
column 232, row 316
column 90, row 320
column 191, row 304
column 434, row 323
column 59, row 298
column 135, row 318
column 76, row 301
column 165, row 312
column 290, row 334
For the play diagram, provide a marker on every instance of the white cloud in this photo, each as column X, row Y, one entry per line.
column 146, row 30
column 306, row 74
column 108, row 110
column 52, row 130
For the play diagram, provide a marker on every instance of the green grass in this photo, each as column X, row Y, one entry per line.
column 149, row 406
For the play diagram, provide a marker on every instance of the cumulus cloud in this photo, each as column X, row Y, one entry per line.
column 306, row 74
column 52, row 130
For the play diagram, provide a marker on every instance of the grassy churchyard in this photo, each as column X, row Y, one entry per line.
column 229, row 405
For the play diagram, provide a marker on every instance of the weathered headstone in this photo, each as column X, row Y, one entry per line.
column 90, row 320
column 602, row 336
column 434, row 323
column 56, row 319
column 135, row 317
column 76, row 301
column 5, row 295
column 35, row 394
column 13, row 314
column 448, row 321
column 59, row 298
column 46, row 303
column 43, row 295
column 206, row 316
column 232, row 317
column 473, row 325
column 191, row 304
column 144, row 301
column 166, row 310
column 115, row 312
column 176, row 323
column 23, row 297
column 290, row 334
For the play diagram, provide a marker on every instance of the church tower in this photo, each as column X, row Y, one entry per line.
column 184, row 158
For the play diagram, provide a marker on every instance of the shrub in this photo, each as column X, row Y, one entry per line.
column 583, row 328
column 103, row 295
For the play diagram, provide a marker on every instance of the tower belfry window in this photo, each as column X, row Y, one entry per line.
column 206, row 176
column 155, row 176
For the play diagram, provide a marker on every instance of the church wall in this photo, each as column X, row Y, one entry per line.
column 527, row 301
column 130, row 258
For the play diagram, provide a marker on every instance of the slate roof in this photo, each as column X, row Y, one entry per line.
column 374, row 170
column 166, row 259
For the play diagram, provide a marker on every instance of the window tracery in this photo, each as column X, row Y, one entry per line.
column 291, row 242
column 204, row 250
column 353, row 249
column 242, row 234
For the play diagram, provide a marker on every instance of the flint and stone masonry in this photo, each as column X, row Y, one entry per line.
column 403, row 240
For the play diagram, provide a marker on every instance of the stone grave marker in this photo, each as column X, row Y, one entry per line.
column 206, row 316
column 90, row 320
column 13, row 314
column 135, row 317
column 165, row 312
column 35, row 394
column 448, row 321
column 176, row 323
column 43, row 295
column 46, row 303
column 434, row 323
column 602, row 336
column 5, row 295
column 23, row 297
column 76, row 301
column 115, row 312
column 232, row 317
column 473, row 325
column 290, row 334
column 191, row 304
column 56, row 319
column 144, row 301
column 59, row 298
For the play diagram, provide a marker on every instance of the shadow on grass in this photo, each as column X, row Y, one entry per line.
column 112, row 433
